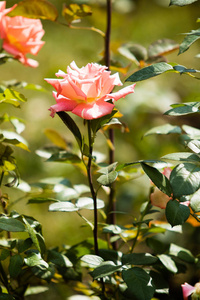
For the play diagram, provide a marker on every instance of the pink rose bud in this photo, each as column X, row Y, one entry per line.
column 86, row 91
column 187, row 290
column 20, row 35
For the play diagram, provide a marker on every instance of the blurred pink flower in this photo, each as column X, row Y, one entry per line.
column 86, row 91
column 191, row 290
column 20, row 35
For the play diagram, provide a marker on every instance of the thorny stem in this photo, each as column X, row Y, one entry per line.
column 93, row 193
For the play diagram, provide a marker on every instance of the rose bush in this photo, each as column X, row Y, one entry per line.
column 86, row 91
column 20, row 35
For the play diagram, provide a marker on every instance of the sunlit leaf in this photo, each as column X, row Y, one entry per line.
column 63, row 206
column 64, row 156
column 34, row 259
column 181, row 2
column 133, row 52
column 36, row 290
column 182, row 253
column 168, row 263
column 55, row 137
column 32, row 233
column 88, row 203
column 59, row 259
column 176, row 213
column 164, row 129
column 162, row 47
column 183, row 157
column 150, row 71
column 183, row 109
column 91, row 259
column 35, row 9
column 73, row 12
column 11, row 96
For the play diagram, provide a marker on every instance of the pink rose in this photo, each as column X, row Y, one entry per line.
column 86, row 91
column 20, row 35
column 191, row 290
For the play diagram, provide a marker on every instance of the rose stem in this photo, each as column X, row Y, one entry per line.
column 93, row 193
column 3, row 202
column 111, row 218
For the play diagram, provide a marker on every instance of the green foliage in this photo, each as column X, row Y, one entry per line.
column 181, row 2
column 74, row 12
column 176, row 212
column 35, row 9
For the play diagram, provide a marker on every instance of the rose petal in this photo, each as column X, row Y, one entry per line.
column 93, row 111
column 121, row 93
column 187, row 290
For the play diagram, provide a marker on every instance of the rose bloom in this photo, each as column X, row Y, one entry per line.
column 86, row 91
column 191, row 290
column 20, row 35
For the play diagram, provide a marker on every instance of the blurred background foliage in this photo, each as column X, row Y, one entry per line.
column 141, row 22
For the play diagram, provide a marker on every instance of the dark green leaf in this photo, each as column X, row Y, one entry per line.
column 96, row 124
column 150, row 71
column 139, row 259
column 69, row 122
column 4, row 296
column 104, row 269
column 139, row 284
column 40, row 200
column 183, row 109
column 134, row 52
column 181, row 2
column 182, row 253
column 35, row 9
column 59, row 259
column 185, row 179
column 176, row 213
column 164, row 129
column 15, row 266
column 11, row 224
column 33, row 234
column 24, row 245
column 4, row 254
column 159, row 179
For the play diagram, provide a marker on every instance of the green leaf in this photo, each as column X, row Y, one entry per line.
column 109, row 175
column 164, row 129
column 41, row 200
column 4, row 254
column 183, row 109
column 159, row 179
column 185, row 179
column 4, row 296
column 176, row 213
column 11, row 224
column 139, row 259
column 69, row 122
column 91, row 259
column 181, row 2
column 15, row 265
column 96, row 124
column 104, row 269
column 187, row 42
column 182, row 157
column 182, row 253
column 194, row 145
column 35, row 290
column 64, row 156
column 134, row 52
column 162, row 47
column 194, row 201
column 191, row 131
column 34, row 259
column 32, row 233
column 88, row 203
column 150, row 71
column 15, row 139
column 168, row 263
column 13, row 97
column 73, row 12
column 59, row 259
column 24, row 245
column 63, row 207
column 35, row 9
column 55, row 137
column 139, row 284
